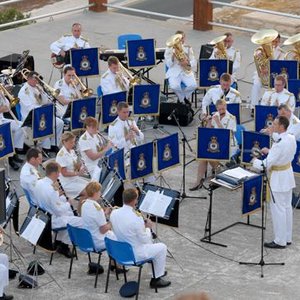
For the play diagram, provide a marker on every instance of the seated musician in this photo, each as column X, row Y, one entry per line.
column 113, row 80
column 17, row 132
column 70, row 41
column 4, row 275
column 69, row 90
column 29, row 173
column 50, row 200
column 279, row 95
column 221, row 91
column 72, row 168
column 129, row 226
column 181, row 71
column 221, row 119
column 32, row 95
column 92, row 147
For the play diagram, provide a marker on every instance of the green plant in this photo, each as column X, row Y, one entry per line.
column 11, row 15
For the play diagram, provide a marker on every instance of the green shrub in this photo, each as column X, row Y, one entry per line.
column 11, row 15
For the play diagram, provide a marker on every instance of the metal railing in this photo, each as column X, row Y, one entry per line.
column 9, row 2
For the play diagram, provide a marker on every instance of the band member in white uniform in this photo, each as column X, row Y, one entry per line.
column 93, row 147
column 279, row 95
column 72, row 168
column 4, row 273
column 278, row 54
column 232, row 53
column 32, row 96
column 18, row 135
column 29, row 173
column 282, row 182
column 221, row 91
column 129, row 226
column 181, row 72
column 221, row 119
column 70, row 41
column 57, row 205
column 113, row 80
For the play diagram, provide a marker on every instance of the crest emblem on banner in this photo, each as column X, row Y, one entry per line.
column 85, row 64
column 269, row 120
column 113, row 108
column 42, row 123
column 167, row 155
column 2, row 142
column 255, row 148
column 145, row 102
column 141, row 162
column 141, row 54
column 83, row 114
column 213, row 74
column 213, row 145
column 298, row 159
column 253, row 197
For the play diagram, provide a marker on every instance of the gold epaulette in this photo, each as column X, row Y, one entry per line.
column 105, row 74
column 60, row 82
column 67, row 34
column 61, row 152
column 113, row 123
column 84, row 39
column 139, row 214
column 232, row 116
column 288, row 93
column 26, row 91
column 214, row 87
column 97, row 206
column 237, row 93
column 84, row 137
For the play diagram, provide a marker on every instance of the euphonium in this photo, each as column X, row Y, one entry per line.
column 293, row 54
column 85, row 91
column 264, row 53
column 220, row 46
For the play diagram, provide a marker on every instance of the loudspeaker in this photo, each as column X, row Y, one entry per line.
column 182, row 112
column 206, row 51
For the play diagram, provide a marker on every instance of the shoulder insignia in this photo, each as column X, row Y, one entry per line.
column 288, row 93
column 27, row 90
column 232, row 116
column 113, row 123
column 139, row 214
column 97, row 206
column 214, row 87
column 105, row 74
column 60, row 82
column 84, row 39
column 84, row 137
column 67, row 34
column 237, row 93
column 60, row 153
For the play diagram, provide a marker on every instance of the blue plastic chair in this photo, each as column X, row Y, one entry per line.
column 122, row 39
column 28, row 197
column 55, row 231
column 122, row 253
column 82, row 239
column 238, row 134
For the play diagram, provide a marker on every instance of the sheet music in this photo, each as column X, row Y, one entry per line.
column 239, row 173
column 34, row 230
column 8, row 200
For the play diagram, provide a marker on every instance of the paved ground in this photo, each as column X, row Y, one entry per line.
column 198, row 266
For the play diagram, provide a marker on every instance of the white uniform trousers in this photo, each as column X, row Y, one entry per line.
column 282, row 217
column 18, row 134
column 183, row 92
column 256, row 90
column 3, row 272
column 48, row 142
column 63, row 235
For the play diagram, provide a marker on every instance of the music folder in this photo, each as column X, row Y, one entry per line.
column 28, row 121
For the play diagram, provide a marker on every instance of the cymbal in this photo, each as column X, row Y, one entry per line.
column 292, row 40
column 217, row 40
column 264, row 36
column 8, row 71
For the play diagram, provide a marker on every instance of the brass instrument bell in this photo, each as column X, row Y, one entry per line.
column 219, row 44
column 293, row 41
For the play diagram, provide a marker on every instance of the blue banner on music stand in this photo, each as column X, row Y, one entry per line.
column 141, row 160
column 286, row 68
column 109, row 106
column 210, row 71
column 294, row 87
column 167, row 152
column 233, row 108
column 116, row 162
column 296, row 160
column 146, row 99
column 141, row 53
column 42, row 122
column 6, row 143
column 80, row 110
column 213, row 144
column 251, row 142
column 85, row 61
column 252, row 195
column 264, row 116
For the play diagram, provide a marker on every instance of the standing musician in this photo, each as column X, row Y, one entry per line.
column 57, row 205
column 282, row 182
column 113, row 80
column 221, row 119
column 69, row 90
column 279, row 95
column 129, row 226
column 29, row 173
column 4, row 275
column 17, row 132
column 71, row 168
column 123, row 132
column 32, row 96
column 181, row 71
column 221, row 91
column 92, row 147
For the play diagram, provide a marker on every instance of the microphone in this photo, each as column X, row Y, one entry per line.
column 171, row 114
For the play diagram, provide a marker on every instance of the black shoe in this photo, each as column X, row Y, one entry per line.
column 13, row 164
column 6, row 297
column 22, row 151
column 118, row 270
column 198, row 186
column 165, row 274
column 273, row 245
column 159, row 283
column 64, row 250
column 17, row 159
column 54, row 149
column 289, row 243
column 252, row 113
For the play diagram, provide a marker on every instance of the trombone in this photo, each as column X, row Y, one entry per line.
column 85, row 91
column 12, row 100
column 133, row 80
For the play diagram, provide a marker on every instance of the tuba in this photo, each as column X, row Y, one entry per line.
column 220, row 46
column 293, row 54
column 175, row 42
column 264, row 52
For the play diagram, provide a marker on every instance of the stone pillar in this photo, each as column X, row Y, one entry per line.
column 203, row 14
column 98, row 7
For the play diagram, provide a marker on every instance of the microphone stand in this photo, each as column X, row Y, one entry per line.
column 262, row 263
column 184, row 164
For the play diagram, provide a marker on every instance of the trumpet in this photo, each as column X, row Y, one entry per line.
column 12, row 100
column 133, row 139
column 85, row 91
